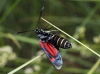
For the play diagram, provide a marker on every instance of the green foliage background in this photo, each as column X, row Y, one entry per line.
column 80, row 19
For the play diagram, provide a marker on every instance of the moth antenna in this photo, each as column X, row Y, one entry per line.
column 40, row 16
column 37, row 23
column 23, row 32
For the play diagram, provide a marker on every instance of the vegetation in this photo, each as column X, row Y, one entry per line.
column 80, row 19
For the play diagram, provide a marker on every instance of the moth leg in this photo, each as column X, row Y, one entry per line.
column 48, row 28
column 53, row 31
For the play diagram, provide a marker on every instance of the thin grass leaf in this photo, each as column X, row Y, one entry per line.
column 90, row 14
column 10, row 36
column 27, row 39
column 94, row 67
column 71, row 37
column 14, row 40
column 9, row 10
column 20, row 38
column 15, row 70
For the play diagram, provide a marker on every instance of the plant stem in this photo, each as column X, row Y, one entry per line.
column 15, row 70
column 71, row 37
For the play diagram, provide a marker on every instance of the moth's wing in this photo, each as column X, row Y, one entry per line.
column 53, row 54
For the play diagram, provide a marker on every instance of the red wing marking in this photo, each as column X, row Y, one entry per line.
column 52, row 53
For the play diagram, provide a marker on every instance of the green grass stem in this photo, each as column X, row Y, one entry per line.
column 71, row 37
column 15, row 70
column 94, row 67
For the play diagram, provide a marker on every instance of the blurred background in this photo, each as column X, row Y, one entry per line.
column 80, row 19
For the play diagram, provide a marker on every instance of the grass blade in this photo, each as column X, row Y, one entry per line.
column 71, row 37
column 94, row 67
column 15, row 70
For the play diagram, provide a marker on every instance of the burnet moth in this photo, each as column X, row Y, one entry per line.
column 50, row 42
